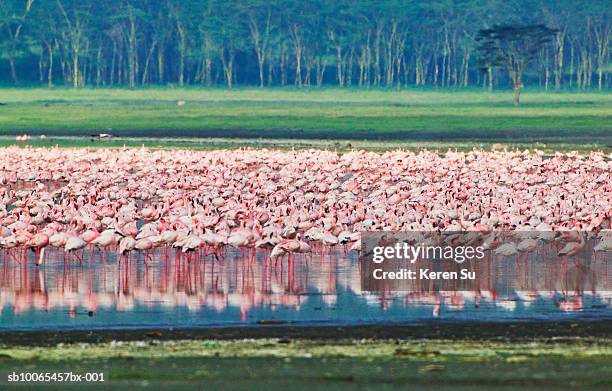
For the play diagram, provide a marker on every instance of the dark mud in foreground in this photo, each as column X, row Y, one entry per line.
column 511, row 331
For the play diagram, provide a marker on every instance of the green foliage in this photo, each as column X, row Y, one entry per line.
column 387, row 43
column 512, row 46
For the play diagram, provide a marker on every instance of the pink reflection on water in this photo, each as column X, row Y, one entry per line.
column 249, row 280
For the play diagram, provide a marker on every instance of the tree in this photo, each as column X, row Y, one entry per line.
column 385, row 43
column 76, row 17
column 14, row 14
column 513, row 47
column 259, row 20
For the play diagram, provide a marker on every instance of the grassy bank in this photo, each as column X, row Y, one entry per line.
column 307, row 114
column 574, row 363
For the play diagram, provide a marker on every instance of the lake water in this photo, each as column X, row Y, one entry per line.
column 250, row 289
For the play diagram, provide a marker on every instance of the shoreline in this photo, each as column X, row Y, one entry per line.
column 469, row 330
column 548, row 147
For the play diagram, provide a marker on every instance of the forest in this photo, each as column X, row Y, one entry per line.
column 340, row 43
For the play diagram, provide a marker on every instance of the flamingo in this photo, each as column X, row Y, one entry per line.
column 39, row 242
column 572, row 248
column 250, row 198
column 73, row 244
column 126, row 245
column 506, row 249
column 527, row 245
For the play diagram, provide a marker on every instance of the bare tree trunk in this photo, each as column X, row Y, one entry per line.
column 228, row 65
column 297, row 48
column 349, row 68
column 132, row 49
column 145, row 71
column 75, row 31
column 436, row 72
column 270, row 70
column 361, row 70
column 443, row 78
column 160, row 63
column 75, row 69
column 182, row 52
column 309, row 64
column 517, row 93
column 320, row 70
column 260, row 43
column 407, row 69
column 339, row 75
column 418, row 64
column 377, row 45
column 260, row 62
column 298, row 66
column 50, row 68
column 571, row 70
column 389, row 60
column 112, row 67
column 589, row 69
column 398, row 68
column 466, row 67
column 546, row 70
column 364, row 61
column 400, row 42
column 208, row 71
column 283, row 64
column 516, row 76
column 13, row 69
column 560, row 41
column 41, row 64
column 602, row 43
column 99, row 66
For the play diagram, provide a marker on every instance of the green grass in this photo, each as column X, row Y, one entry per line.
column 289, row 113
column 575, row 363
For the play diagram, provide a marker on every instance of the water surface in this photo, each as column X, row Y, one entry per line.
column 245, row 288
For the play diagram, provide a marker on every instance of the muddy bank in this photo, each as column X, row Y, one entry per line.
column 459, row 134
column 512, row 331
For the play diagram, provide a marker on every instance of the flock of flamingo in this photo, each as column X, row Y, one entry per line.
column 137, row 200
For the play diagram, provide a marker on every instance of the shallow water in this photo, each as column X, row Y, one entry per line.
column 248, row 288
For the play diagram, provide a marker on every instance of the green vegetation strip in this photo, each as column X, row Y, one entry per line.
column 433, row 350
column 306, row 114
column 571, row 363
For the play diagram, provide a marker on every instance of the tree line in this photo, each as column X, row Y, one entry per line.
column 382, row 43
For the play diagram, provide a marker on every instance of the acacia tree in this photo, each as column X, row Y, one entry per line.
column 513, row 47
